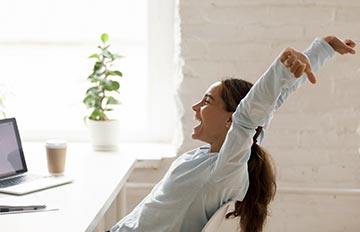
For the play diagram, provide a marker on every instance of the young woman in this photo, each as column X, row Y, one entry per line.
column 232, row 117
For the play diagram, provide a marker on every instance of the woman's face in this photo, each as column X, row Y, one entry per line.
column 214, row 120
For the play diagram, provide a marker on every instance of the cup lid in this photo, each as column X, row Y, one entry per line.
column 56, row 143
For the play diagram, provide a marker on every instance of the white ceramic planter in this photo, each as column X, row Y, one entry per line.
column 104, row 135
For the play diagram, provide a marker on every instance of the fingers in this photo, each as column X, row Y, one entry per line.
column 299, row 71
column 350, row 43
column 342, row 47
column 310, row 75
column 284, row 56
column 348, row 49
column 291, row 60
column 297, row 64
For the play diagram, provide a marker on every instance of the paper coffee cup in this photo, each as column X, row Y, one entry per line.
column 56, row 155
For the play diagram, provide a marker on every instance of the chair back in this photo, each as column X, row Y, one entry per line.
column 218, row 222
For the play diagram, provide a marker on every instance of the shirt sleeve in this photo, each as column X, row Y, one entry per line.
column 256, row 109
column 318, row 53
column 252, row 111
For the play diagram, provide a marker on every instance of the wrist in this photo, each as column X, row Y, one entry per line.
column 328, row 39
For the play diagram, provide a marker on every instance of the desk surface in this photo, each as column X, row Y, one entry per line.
column 98, row 178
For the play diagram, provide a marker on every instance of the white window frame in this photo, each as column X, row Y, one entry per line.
column 161, row 89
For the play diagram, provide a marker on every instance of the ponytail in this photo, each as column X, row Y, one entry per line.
column 253, row 210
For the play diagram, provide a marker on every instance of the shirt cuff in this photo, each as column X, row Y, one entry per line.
column 329, row 51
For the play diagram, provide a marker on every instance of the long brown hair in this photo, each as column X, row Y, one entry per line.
column 253, row 210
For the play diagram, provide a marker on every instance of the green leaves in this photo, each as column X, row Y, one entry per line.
column 93, row 97
column 114, row 73
column 98, row 66
column 112, row 101
column 116, row 56
column 96, row 56
column 93, row 91
column 89, row 100
column 98, row 115
column 107, row 54
column 94, row 77
column 97, row 97
column 110, row 85
column 104, row 37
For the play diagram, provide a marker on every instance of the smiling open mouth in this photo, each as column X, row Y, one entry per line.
column 197, row 123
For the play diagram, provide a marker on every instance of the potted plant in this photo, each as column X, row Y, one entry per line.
column 101, row 96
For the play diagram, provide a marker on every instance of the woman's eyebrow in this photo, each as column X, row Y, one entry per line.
column 209, row 95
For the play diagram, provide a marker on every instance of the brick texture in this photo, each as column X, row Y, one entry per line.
column 313, row 138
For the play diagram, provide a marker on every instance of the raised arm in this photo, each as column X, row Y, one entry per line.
column 267, row 94
column 320, row 50
column 252, row 111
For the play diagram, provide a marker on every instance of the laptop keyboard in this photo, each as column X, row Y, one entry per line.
column 18, row 180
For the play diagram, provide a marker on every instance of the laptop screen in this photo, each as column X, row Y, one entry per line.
column 12, row 159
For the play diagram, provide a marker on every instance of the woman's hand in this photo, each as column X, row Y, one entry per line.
column 297, row 63
column 341, row 47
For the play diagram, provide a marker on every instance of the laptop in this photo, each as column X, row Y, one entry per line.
column 14, row 176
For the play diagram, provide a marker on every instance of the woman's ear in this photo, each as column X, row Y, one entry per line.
column 228, row 121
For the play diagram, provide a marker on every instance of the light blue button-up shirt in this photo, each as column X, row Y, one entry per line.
column 199, row 182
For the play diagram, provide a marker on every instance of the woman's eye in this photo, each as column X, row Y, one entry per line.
column 206, row 102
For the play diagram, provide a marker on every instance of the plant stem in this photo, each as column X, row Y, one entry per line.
column 103, row 116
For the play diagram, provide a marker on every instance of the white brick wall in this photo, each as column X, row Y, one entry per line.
column 314, row 213
column 313, row 137
column 240, row 38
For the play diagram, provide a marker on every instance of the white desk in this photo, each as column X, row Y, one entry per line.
column 98, row 178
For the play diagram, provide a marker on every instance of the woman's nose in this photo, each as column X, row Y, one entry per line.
column 195, row 107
